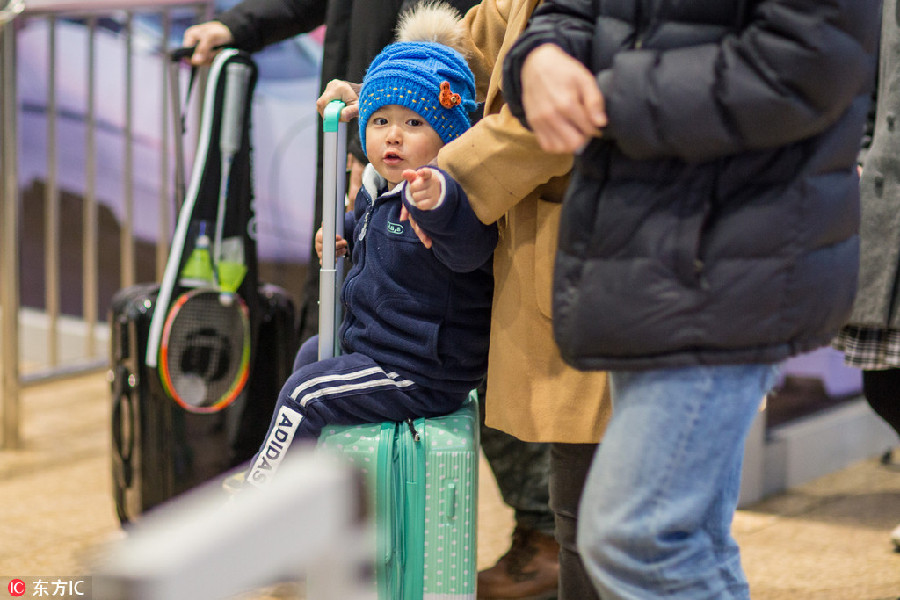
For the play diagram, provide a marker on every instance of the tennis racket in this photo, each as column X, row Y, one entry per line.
column 205, row 350
column 227, row 255
column 202, row 339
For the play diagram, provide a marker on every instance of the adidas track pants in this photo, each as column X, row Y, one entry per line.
column 344, row 390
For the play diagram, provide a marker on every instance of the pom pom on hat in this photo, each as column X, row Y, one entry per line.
column 423, row 73
column 434, row 22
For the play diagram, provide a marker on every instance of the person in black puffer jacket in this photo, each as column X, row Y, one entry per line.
column 709, row 232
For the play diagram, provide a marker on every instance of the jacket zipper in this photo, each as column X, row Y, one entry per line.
column 647, row 14
column 365, row 227
column 350, row 281
column 639, row 25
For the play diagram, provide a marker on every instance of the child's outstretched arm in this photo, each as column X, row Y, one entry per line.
column 425, row 192
column 439, row 211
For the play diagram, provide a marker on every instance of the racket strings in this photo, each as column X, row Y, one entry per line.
column 205, row 361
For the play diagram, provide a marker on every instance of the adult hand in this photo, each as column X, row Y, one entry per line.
column 346, row 92
column 563, row 105
column 340, row 245
column 207, row 37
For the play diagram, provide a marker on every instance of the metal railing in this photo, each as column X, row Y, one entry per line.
column 76, row 29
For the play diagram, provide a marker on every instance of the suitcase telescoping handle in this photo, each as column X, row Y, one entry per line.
column 334, row 167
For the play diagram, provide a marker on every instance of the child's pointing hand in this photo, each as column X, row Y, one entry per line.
column 425, row 189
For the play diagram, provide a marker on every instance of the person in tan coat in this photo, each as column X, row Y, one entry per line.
column 532, row 394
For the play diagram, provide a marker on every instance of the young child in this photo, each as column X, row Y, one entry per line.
column 414, row 338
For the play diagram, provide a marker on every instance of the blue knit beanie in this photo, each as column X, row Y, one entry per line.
column 431, row 79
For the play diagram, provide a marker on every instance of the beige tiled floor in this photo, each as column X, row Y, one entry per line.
column 827, row 540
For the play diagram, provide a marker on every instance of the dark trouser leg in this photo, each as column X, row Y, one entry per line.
column 882, row 391
column 569, row 465
column 307, row 354
column 529, row 570
column 521, row 469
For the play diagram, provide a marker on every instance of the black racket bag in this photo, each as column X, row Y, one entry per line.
column 160, row 449
column 198, row 359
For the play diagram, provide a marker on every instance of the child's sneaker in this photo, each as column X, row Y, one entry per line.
column 234, row 483
column 895, row 537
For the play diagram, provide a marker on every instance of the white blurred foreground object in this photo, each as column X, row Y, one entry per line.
column 203, row 545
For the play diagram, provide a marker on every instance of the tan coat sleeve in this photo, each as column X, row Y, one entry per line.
column 498, row 161
column 485, row 26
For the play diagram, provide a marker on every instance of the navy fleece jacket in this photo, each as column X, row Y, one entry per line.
column 424, row 313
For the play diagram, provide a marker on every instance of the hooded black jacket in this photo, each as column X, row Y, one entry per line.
column 715, row 222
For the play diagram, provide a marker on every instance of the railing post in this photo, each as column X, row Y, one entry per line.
column 90, row 266
column 9, row 236
column 165, row 187
column 52, row 208
column 127, row 276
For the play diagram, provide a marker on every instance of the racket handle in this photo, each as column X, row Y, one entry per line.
column 237, row 78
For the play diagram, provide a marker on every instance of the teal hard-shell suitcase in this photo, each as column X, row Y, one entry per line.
column 422, row 481
column 422, row 475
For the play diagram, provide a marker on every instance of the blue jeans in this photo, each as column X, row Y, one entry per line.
column 655, row 518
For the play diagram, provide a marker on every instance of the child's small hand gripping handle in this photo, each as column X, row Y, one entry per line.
column 334, row 167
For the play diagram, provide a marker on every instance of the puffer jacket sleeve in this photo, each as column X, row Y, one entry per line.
column 789, row 74
column 257, row 23
column 459, row 240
